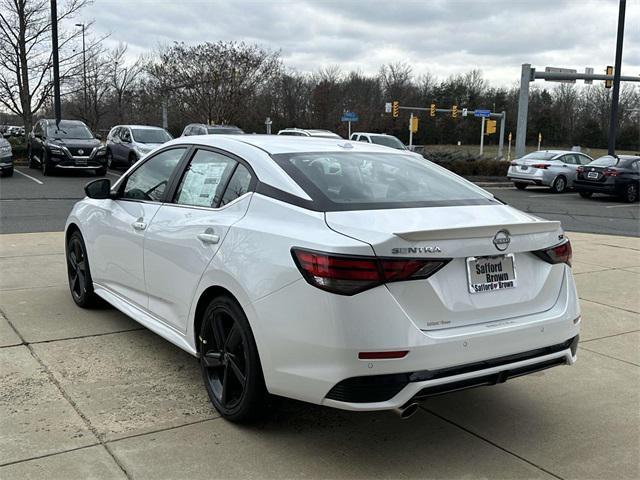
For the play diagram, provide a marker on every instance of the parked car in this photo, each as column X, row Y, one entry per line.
column 552, row 168
column 203, row 129
column 618, row 176
column 355, row 277
column 69, row 146
column 299, row 132
column 6, row 158
column 378, row 139
column 126, row 144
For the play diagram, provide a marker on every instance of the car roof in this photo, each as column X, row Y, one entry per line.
column 142, row 127
column 52, row 120
column 275, row 144
column 372, row 134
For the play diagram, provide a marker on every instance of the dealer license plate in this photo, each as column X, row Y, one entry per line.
column 592, row 175
column 486, row 274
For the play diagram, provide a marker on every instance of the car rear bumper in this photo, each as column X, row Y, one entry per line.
column 6, row 163
column 534, row 176
column 309, row 350
column 606, row 188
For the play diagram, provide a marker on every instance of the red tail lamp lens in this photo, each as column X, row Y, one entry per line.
column 348, row 275
column 561, row 253
column 382, row 355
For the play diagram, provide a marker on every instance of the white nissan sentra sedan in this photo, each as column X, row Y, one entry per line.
column 339, row 273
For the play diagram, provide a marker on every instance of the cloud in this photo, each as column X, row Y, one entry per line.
column 441, row 37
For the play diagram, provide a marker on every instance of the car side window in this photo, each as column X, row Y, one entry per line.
column 635, row 166
column 363, row 138
column 149, row 181
column 568, row 159
column 125, row 135
column 204, row 179
column 584, row 159
column 238, row 185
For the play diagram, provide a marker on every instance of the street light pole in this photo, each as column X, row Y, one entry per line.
column 56, row 65
column 84, row 71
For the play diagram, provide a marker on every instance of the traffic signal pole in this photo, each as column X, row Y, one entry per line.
column 56, row 63
column 482, row 136
column 615, row 96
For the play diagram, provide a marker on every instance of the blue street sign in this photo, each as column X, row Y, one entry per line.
column 482, row 113
column 349, row 117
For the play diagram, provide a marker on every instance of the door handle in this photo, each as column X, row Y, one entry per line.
column 139, row 225
column 208, row 238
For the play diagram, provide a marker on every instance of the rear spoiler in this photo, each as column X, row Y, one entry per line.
column 482, row 231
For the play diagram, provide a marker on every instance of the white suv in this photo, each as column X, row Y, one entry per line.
column 378, row 139
column 299, row 132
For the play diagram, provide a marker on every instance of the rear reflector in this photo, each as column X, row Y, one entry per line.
column 348, row 275
column 382, row 355
column 543, row 166
column 560, row 253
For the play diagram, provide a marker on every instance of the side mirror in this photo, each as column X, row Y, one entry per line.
column 98, row 189
column 98, row 136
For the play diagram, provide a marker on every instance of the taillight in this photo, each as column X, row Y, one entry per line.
column 543, row 166
column 348, row 275
column 610, row 172
column 580, row 169
column 560, row 253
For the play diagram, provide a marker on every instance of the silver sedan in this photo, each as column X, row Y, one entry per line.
column 553, row 168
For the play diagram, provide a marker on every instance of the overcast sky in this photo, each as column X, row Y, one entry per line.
column 442, row 37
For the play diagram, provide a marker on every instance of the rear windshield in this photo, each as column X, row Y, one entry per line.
column 368, row 180
column 387, row 141
column 605, row 161
column 539, row 156
column 150, row 135
column 224, row 131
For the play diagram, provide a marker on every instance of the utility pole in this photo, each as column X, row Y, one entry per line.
column 84, row 71
column 503, row 120
column 56, row 64
column 411, row 132
column 615, row 97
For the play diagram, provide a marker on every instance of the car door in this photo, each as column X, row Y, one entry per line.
column 571, row 164
column 184, row 235
column 116, row 231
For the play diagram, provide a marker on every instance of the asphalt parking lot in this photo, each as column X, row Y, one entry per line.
column 30, row 202
column 91, row 394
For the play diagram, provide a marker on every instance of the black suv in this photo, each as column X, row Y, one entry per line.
column 69, row 146
column 618, row 176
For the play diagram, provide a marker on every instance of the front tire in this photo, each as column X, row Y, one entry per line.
column 101, row 172
column 8, row 173
column 46, row 166
column 32, row 162
column 520, row 185
column 586, row 194
column 559, row 185
column 230, row 363
column 78, row 272
column 631, row 193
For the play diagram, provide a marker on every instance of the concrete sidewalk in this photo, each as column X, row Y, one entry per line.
column 91, row 394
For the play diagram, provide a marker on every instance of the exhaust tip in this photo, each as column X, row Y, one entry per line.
column 408, row 411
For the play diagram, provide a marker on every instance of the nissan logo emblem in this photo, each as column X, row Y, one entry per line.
column 501, row 240
column 80, row 151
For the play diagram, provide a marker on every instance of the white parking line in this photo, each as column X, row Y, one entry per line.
column 29, row 176
column 548, row 195
column 622, row 206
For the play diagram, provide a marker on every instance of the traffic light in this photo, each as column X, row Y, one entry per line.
column 413, row 125
column 454, row 111
column 609, row 71
column 432, row 110
column 395, row 109
column 491, row 127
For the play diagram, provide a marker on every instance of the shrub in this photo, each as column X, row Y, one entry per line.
column 466, row 164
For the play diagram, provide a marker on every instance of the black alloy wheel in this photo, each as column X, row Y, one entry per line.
column 559, row 184
column 32, row 161
column 631, row 193
column 229, row 361
column 80, row 283
column 520, row 185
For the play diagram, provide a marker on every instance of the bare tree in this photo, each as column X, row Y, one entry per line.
column 123, row 76
column 25, row 53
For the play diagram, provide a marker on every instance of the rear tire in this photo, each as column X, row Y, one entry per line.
column 559, row 185
column 78, row 272
column 8, row 173
column 101, row 172
column 32, row 162
column 631, row 193
column 109, row 159
column 586, row 194
column 520, row 185
column 230, row 363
